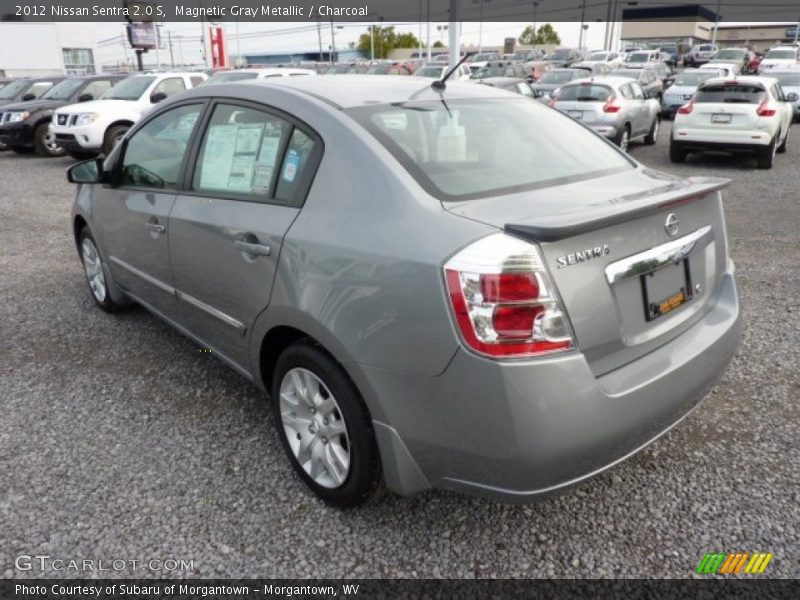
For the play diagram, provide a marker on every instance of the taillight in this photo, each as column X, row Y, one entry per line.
column 764, row 111
column 504, row 301
column 610, row 107
column 687, row 109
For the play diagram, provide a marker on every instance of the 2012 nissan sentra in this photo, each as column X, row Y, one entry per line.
column 438, row 286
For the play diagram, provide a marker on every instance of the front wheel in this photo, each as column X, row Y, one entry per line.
column 325, row 427
column 45, row 142
column 97, row 275
column 113, row 137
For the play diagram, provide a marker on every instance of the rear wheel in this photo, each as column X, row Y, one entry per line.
column 652, row 136
column 325, row 427
column 45, row 142
column 113, row 137
column 676, row 153
column 784, row 145
column 766, row 156
column 623, row 139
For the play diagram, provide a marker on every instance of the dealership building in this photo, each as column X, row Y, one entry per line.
column 40, row 49
column 686, row 26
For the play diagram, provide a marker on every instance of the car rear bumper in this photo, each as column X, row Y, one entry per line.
column 17, row 134
column 514, row 431
column 733, row 140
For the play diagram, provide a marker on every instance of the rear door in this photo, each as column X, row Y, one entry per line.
column 252, row 170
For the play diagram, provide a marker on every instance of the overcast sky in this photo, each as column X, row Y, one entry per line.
column 288, row 37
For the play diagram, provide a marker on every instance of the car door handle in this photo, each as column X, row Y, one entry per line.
column 154, row 226
column 253, row 248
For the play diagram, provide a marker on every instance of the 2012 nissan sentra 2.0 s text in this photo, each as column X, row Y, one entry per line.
column 434, row 287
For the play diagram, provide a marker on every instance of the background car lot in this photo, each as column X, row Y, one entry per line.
column 120, row 438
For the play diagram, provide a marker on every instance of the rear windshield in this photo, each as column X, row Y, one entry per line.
column 706, row 48
column 560, row 54
column 787, row 79
column 584, row 93
column 475, row 148
column 556, row 77
column 695, row 78
column 629, row 74
column 598, row 56
column 781, row 54
column 740, row 93
column 637, row 58
column 735, row 54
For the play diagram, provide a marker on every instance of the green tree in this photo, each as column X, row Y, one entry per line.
column 385, row 39
column 546, row 34
column 438, row 44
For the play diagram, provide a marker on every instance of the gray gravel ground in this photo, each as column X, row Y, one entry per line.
column 120, row 440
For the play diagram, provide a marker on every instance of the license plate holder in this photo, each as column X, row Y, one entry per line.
column 575, row 114
column 666, row 289
column 720, row 118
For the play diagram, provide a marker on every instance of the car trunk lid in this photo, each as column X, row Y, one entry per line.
column 603, row 250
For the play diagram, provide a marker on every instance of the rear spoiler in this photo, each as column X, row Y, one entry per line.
column 640, row 205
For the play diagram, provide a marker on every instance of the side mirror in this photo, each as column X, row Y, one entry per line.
column 28, row 97
column 85, row 97
column 793, row 97
column 88, row 171
column 157, row 97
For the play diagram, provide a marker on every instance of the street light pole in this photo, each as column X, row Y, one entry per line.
column 716, row 23
column 333, row 42
column 371, row 41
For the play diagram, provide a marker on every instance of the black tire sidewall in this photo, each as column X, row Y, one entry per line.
column 365, row 473
column 111, row 133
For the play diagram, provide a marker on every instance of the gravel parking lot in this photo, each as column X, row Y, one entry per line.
column 119, row 439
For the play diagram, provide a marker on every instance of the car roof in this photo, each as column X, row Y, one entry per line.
column 349, row 91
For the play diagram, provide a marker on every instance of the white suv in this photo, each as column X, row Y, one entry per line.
column 746, row 114
column 90, row 128
column 780, row 57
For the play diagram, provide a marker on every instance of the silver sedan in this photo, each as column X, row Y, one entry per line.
column 614, row 107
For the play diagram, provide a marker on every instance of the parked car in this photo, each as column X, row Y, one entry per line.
column 449, row 331
column 613, row 60
column 25, row 126
column 789, row 80
column 614, row 107
column 437, row 70
column 699, row 55
column 511, row 84
column 641, row 59
column 390, row 68
column 673, row 55
column 22, row 90
column 553, row 79
column 477, row 61
column 5, row 81
column 647, row 78
column 778, row 57
column 684, row 87
column 564, row 57
column 727, row 69
column 747, row 114
column 265, row 73
column 528, row 55
column 596, row 69
column 739, row 57
column 502, row 69
column 88, row 129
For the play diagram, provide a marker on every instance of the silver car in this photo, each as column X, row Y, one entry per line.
column 683, row 88
column 790, row 83
column 434, row 288
column 614, row 107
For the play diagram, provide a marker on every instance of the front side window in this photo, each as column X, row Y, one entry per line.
column 475, row 148
column 154, row 154
column 97, row 88
column 170, row 87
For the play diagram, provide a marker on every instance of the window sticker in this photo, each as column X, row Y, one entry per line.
column 292, row 163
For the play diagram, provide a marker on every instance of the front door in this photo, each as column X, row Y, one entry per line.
column 252, row 172
column 133, row 215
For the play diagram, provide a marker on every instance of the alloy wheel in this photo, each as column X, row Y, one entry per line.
column 624, row 141
column 50, row 144
column 93, row 266
column 315, row 427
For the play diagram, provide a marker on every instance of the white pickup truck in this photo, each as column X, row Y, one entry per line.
column 88, row 129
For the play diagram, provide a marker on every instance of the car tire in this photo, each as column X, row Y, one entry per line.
column 676, row 153
column 322, row 430
column 77, row 155
column 113, row 136
column 98, row 277
column 44, row 142
column 652, row 137
column 785, row 144
column 623, row 138
column 766, row 156
column 21, row 149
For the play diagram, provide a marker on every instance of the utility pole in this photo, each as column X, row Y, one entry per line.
column 583, row 20
column 319, row 36
column 535, row 7
column 455, row 34
column 158, row 44
column 607, row 38
column 371, row 41
column 333, row 43
column 420, row 30
column 238, row 47
column 171, row 54
column 716, row 23
column 430, row 50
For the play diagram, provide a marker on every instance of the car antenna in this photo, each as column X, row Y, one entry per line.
column 441, row 84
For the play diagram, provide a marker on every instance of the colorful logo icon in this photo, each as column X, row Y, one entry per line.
column 721, row 563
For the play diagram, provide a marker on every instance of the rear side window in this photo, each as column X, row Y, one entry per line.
column 740, row 93
column 584, row 93
column 470, row 149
